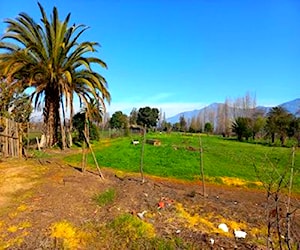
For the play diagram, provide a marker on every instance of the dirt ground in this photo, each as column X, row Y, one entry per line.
column 36, row 194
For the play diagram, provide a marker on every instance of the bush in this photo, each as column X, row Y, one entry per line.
column 78, row 123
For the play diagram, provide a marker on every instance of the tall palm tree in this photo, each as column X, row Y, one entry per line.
column 278, row 122
column 49, row 57
column 241, row 126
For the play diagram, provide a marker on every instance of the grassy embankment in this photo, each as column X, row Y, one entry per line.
column 225, row 161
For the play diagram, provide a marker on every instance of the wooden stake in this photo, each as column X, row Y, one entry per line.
column 85, row 134
column 201, row 165
column 142, row 155
column 288, row 210
column 83, row 162
column 93, row 154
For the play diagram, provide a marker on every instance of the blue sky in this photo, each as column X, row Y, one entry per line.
column 182, row 55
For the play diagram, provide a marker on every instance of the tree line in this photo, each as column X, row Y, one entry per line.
column 277, row 124
column 145, row 117
column 240, row 118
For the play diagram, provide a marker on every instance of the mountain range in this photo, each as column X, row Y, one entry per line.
column 292, row 107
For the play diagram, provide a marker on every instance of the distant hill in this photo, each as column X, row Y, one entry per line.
column 292, row 106
column 189, row 114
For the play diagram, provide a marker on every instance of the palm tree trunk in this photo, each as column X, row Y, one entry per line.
column 63, row 129
column 63, row 136
column 282, row 140
column 71, row 125
column 273, row 137
column 51, row 116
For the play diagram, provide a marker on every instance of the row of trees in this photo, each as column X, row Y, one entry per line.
column 246, row 123
column 192, row 126
column 146, row 117
column 216, row 118
column 49, row 59
column 152, row 118
column 277, row 124
column 242, row 118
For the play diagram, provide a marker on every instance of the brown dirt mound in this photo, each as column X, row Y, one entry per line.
column 36, row 195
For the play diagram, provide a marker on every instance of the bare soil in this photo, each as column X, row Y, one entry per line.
column 36, row 194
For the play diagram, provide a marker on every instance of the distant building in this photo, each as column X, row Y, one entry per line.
column 135, row 129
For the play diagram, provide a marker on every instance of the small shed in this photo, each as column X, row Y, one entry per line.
column 136, row 129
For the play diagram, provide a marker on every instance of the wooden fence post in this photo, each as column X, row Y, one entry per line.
column 10, row 138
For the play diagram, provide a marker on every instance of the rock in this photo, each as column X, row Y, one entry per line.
column 240, row 234
column 141, row 215
column 223, row 227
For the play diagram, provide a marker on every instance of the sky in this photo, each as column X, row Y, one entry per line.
column 181, row 55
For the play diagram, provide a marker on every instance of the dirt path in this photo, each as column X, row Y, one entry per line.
column 48, row 205
column 16, row 177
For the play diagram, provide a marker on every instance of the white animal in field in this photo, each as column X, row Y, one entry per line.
column 135, row 142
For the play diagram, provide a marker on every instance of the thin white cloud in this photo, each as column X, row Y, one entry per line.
column 159, row 97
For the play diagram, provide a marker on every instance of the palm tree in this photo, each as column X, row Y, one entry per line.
column 49, row 58
column 278, row 122
column 241, row 126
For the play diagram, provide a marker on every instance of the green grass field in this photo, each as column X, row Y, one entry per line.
column 179, row 157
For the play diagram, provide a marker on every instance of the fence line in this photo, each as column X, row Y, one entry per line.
column 10, row 138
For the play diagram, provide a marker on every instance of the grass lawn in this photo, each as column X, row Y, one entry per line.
column 178, row 157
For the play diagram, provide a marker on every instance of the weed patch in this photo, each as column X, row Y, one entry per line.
column 195, row 220
column 105, row 198
column 129, row 231
column 67, row 236
column 13, row 235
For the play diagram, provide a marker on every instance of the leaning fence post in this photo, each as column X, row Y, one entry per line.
column 201, row 165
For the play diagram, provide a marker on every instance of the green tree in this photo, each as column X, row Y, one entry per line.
column 193, row 125
column 5, row 97
column 119, row 120
column 176, row 126
column 258, row 122
column 182, row 124
column 95, row 111
column 133, row 116
column 242, row 127
column 79, row 119
column 278, row 122
column 148, row 117
column 20, row 108
column 294, row 129
column 208, row 127
column 50, row 58
column 14, row 105
column 166, row 126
